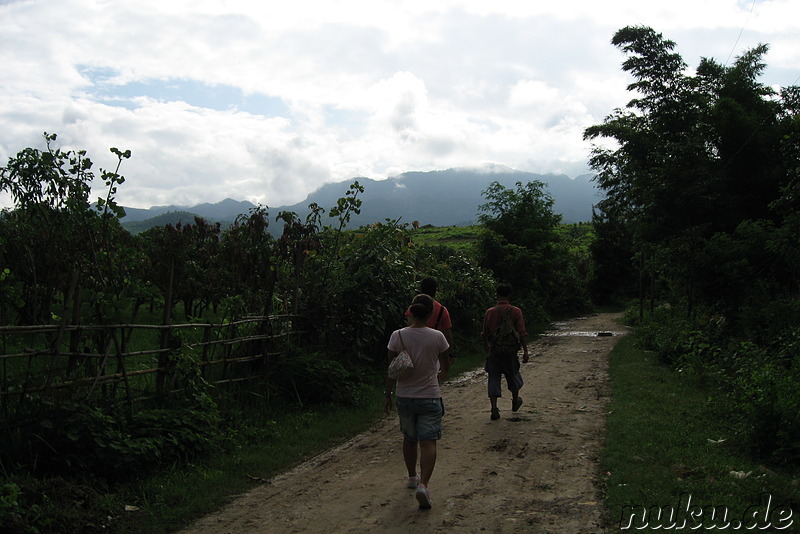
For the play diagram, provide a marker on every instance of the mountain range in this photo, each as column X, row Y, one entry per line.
column 439, row 198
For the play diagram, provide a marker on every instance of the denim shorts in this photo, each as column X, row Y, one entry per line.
column 420, row 419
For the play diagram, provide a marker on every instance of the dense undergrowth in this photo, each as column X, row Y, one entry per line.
column 754, row 374
column 250, row 441
column 682, row 453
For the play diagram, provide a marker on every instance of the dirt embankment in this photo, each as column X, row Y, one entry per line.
column 529, row 471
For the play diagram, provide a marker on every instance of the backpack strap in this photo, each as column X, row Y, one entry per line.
column 439, row 317
column 505, row 315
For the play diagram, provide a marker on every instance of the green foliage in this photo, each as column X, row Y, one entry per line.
column 464, row 287
column 668, row 437
column 758, row 381
column 369, row 287
column 578, row 238
column 248, row 255
column 173, row 218
column 348, row 290
column 613, row 277
column 53, row 243
column 10, row 509
column 312, row 378
column 522, row 245
column 699, row 165
column 664, row 333
column 766, row 396
column 523, row 216
column 30, row 506
column 701, row 196
column 52, row 178
column 458, row 238
column 92, row 442
column 63, row 261
column 348, row 205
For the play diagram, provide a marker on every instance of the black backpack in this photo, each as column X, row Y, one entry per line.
column 505, row 337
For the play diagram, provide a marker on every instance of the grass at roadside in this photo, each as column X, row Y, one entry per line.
column 174, row 499
column 670, row 447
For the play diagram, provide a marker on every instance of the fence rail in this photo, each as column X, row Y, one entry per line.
column 126, row 362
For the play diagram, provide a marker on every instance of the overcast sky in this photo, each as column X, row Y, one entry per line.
column 266, row 101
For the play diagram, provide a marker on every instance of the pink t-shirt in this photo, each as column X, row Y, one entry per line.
column 443, row 320
column 424, row 346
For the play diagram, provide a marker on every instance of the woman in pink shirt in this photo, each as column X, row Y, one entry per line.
column 419, row 401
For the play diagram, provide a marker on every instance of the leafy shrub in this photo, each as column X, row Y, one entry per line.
column 465, row 288
column 764, row 320
column 10, row 510
column 665, row 334
column 88, row 441
column 358, row 287
column 313, row 378
column 760, row 382
column 699, row 356
column 766, row 394
column 53, row 505
column 180, row 435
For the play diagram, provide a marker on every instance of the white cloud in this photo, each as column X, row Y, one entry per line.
column 267, row 101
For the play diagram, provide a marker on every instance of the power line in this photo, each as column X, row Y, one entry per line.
column 752, row 7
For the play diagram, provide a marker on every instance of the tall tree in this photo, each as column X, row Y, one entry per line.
column 521, row 245
column 694, row 156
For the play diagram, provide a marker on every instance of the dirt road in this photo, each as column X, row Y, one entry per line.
column 529, row 471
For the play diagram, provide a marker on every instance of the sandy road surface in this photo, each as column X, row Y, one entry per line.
column 529, row 471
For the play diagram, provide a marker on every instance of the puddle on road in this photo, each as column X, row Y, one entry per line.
column 469, row 376
column 564, row 333
column 561, row 330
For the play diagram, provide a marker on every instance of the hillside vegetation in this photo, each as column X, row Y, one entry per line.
column 702, row 194
column 311, row 310
column 172, row 218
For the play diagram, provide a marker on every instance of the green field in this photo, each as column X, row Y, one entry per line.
column 576, row 237
column 461, row 238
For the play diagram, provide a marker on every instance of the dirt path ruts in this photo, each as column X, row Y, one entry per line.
column 530, row 471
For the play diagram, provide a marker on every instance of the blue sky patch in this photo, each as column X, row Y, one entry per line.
column 193, row 92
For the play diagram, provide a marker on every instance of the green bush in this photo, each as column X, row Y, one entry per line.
column 10, row 510
column 766, row 394
column 465, row 288
column 181, row 435
column 312, row 378
column 92, row 442
column 665, row 334
column 760, row 381
column 699, row 356
column 53, row 505
column 356, row 289
column 764, row 320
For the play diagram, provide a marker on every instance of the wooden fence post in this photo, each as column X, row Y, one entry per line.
column 163, row 357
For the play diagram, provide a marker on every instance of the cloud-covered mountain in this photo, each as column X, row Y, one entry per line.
column 438, row 198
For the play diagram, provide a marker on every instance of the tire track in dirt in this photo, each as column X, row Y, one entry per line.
column 530, row 471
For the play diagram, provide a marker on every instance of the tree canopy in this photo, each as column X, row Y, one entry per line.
column 695, row 156
column 701, row 199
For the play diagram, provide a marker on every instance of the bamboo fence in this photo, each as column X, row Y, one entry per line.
column 45, row 363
